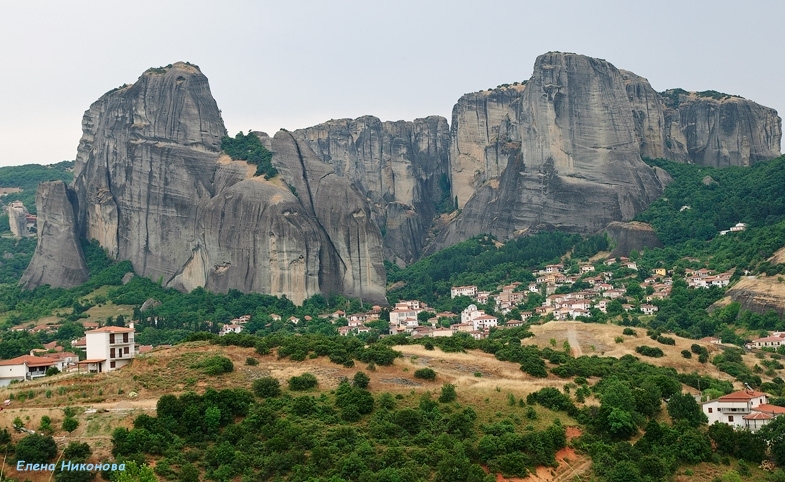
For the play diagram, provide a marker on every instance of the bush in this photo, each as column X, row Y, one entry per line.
column 251, row 361
column 306, row 381
column 267, row 387
column 70, row 424
column 686, row 354
column 666, row 340
column 52, row 371
column 425, row 374
column 650, row 351
column 361, row 380
column 448, row 393
column 628, row 331
column 36, row 448
column 215, row 365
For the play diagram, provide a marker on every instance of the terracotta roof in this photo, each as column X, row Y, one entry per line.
column 112, row 329
column 92, row 360
column 31, row 361
column 757, row 416
column 742, row 395
column 769, row 408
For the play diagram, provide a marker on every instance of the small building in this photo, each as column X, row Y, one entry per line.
column 745, row 409
column 26, row 367
column 470, row 291
column 109, row 348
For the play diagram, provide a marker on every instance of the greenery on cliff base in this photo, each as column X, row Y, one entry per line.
column 248, row 147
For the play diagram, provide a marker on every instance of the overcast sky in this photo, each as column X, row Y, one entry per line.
column 294, row 64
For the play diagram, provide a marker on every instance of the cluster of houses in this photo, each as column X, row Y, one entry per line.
column 774, row 340
column 108, row 348
column 704, row 278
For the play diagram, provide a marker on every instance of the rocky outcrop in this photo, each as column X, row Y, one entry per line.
column 572, row 153
column 152, row 187
column 481, row 123
column 719, row 130
column 17, row 219
column 58, row 260
column 631, row 236
column 401, row 167
column 757, row 294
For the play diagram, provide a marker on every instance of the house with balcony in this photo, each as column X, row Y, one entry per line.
column 109, row 348
column 26, row 367
column 745, row 409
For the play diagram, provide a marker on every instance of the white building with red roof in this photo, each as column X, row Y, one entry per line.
column 745, row 409
column 26, row 367
column 109, row 348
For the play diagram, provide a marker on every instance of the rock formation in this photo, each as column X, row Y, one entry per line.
column 401, row 167
column 631, row 236
column 17, row 219
column 564, row 150
column 719, row 130
column 572, row 156
column 58, row 259
column 152, row 187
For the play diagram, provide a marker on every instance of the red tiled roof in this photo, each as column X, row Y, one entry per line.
column 757, row 416
column 742, row 395
column 769, row 408
column 31, row 361
column 112, row 329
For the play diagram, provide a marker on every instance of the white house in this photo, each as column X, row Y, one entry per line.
column 26, row 367
column 109, row 348
column 469, row 291
column 484, row 322
column 746, row 409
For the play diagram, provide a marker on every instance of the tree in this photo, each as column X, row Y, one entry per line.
column 306, row 381
column 448, row 393
column 361, row 380
column 134, row 473
column 36, row 448
column 70, row 424
column 267, row 387
column 682, row 406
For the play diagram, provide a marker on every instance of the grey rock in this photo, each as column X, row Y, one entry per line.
column 149, row 303
column 398, row 166
column 58, row 260
column 572, row 161
column 631, row 236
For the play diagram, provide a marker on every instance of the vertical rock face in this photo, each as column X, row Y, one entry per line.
column 718, row 130
column 58, row 259
column 17, row 219
column 401, row 167
column 356, row 260
column 146, row 160
column 572, row 154
column 481, row 122
column 152, row 187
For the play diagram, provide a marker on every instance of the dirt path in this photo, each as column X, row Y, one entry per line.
column 572, row 338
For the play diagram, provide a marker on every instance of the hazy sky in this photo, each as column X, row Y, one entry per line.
column 294, row 64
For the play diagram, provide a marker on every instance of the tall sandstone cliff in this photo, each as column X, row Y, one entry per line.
column 152, row 187
column 401, row 167
column 564, row 150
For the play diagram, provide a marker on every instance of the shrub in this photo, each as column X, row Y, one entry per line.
column 70, row 424
column 650, row 351
column 215, row 365
column 666, row 340
column 306, row 381
column 251, row 361
column 628, row 331
column 686, row 354
column 36, row 448
column 361, row 380
column 52, row 371
column 267, row 387
column 619, row 339
column 448, row 393
column 425, row 374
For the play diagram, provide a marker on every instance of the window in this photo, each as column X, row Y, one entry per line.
column 711, row 410
column 111, row 353
column 125, row 350
column 111, row 337
column 111, row 364
column 125, row 337
column 730, row 418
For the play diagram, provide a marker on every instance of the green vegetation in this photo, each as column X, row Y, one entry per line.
column 27, row 178
column 215, row 365
column 425, row 374
column 248, row 147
